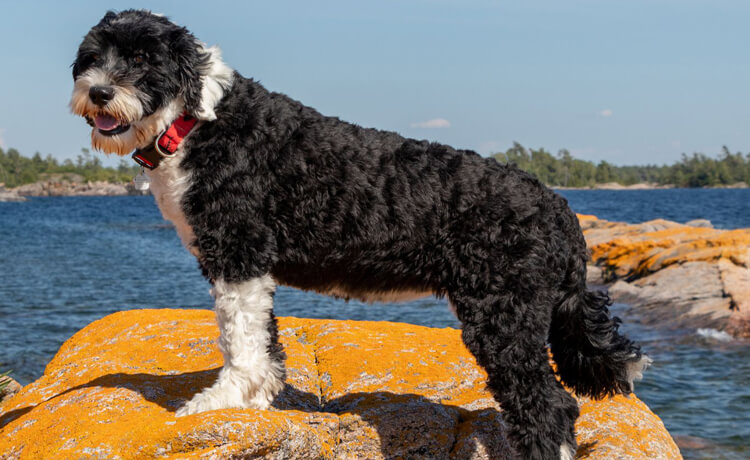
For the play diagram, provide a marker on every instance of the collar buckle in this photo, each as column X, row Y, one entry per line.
column 163, row 150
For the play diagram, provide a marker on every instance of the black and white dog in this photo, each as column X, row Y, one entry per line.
column 264, row 190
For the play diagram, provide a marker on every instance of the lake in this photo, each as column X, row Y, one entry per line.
column 66, row 262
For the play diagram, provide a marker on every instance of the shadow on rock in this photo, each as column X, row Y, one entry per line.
column 370, row 424
column 168, row 391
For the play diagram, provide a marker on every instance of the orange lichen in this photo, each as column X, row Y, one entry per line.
column 632, row 252
column 612, row 420
column 355, row 390
column 654, row 252
column 586, row 217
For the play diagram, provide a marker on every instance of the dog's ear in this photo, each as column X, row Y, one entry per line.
column 192, row 63
column 85, row 57
column 107, row 19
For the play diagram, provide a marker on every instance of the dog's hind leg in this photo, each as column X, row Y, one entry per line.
column 507, row 334
column 253, row 372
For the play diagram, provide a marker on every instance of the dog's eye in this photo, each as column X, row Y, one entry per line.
column 89, row 59
column 139, row 58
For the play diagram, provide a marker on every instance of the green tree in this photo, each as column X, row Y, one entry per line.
column 603, row 173
column 696, row 170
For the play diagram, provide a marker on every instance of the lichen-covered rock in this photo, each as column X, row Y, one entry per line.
column 9, row 388
column 355, row 390
column 689, row 275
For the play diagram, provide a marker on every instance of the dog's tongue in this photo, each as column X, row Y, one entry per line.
column 106, row 122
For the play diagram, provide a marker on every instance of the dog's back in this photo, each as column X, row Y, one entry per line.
column 354, row 205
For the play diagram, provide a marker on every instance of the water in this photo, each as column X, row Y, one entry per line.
column 725, row 208
column 65, row 262
column 700, row 381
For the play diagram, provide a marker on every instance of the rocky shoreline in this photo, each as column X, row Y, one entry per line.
column 67, row 185
column 75, row 185
column 641, row 186
column 674, row 275
column 10, row 195
column 98, row 188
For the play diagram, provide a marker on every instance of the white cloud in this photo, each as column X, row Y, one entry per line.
column 2, row 142
column 606, row 113
column 434, row 123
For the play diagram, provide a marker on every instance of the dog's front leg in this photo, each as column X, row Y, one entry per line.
column 253, row 372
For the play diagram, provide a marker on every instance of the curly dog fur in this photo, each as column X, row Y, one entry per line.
column 265, row 190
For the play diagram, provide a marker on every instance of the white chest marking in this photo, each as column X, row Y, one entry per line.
column 169, row 183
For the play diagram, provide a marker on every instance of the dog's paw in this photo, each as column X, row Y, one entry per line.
column 186, row 409
column 195, row 406
column 218, row 397
column 209, row 399
column 262, row 400
column 267, row 392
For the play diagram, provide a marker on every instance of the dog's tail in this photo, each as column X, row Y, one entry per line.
column 592, row 357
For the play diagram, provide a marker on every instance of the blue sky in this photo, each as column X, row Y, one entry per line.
column 630, row 82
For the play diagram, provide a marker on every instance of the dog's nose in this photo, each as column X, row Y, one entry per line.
column 100, row 95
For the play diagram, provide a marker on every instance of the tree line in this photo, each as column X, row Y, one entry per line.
column 16, row 169
column 561, row 170
column 696, row 170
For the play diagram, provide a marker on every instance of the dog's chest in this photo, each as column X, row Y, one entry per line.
column 169, row 182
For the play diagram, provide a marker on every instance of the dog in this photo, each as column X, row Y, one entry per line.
column 264, row 190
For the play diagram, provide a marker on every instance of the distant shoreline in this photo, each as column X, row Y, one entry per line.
column 49, row 188
column 646, row 186
column 60, row 185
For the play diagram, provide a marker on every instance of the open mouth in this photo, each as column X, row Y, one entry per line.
column 109, row 125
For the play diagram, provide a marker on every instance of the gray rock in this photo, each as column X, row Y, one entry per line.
column 685, row 295
column 10, row 195
column 35, row 189
column 594, row 274
column 704, row 223
column 10, row 389
column 685, row 275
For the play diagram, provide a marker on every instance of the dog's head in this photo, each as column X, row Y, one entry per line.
column 135, row 72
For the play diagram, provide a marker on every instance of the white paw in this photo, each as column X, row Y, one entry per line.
column 266, row 393
column 203, row 402
column 222, row 395
column 226, row 394
column 263, row 398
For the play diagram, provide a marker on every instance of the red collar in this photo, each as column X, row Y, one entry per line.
column 167, row 143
